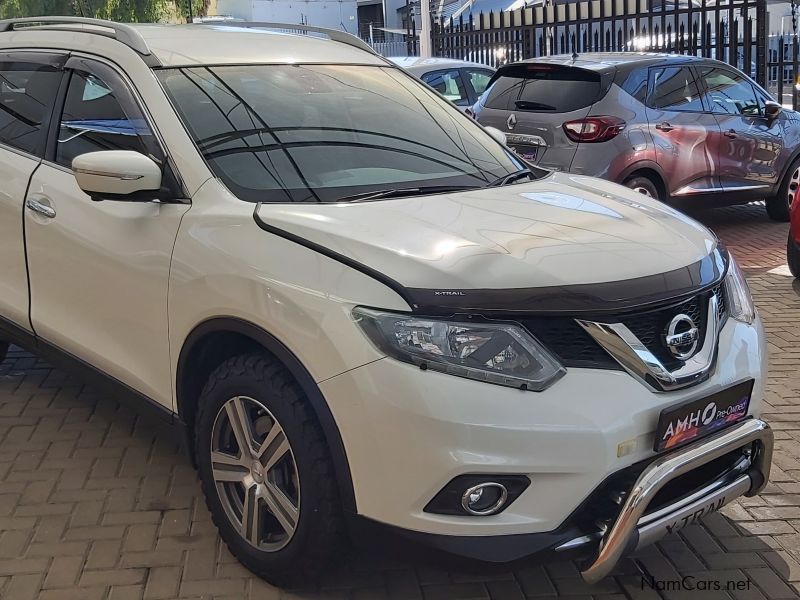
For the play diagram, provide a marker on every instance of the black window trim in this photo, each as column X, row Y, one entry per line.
column 54, row 58
column 651, row 81
column 169, row 165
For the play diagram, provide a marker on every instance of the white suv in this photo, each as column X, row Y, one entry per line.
column 367, row 316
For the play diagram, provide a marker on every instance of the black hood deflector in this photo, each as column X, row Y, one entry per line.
column 579, row 299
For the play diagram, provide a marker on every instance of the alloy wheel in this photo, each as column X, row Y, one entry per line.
column 255, row 473
column 794, row 184
column 642, row 190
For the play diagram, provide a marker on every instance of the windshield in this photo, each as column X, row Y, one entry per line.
column 321, row 133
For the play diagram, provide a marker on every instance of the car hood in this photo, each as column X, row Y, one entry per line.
column 561, row 230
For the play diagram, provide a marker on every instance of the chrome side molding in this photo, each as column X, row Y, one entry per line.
column 627, row 532
column 621, row 343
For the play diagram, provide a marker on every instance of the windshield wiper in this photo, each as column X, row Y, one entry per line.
column 511, row 178
column 401, row 192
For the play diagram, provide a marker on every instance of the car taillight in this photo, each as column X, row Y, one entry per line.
column 593, row 129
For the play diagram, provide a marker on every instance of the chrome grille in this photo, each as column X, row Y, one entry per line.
column 576, row 348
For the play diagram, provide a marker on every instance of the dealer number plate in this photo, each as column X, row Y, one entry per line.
column 679, row 425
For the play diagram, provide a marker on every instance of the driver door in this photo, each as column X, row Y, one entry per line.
column 750, row 144
column 99, row 270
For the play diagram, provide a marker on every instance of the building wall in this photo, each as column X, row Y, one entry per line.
column 335, row 14
column 780, row 18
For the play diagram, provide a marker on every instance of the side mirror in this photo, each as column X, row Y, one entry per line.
column 496, row 134
column 117, row 175
column 772, row 110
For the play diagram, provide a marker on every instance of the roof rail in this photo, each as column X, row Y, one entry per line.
column 121, row 32
column 333, row 34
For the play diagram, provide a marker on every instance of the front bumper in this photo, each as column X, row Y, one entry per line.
column 407, row 433
column 635, row 527
column 643, row 519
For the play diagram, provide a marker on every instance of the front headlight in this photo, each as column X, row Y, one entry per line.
column 500, row 353
column 740, row 302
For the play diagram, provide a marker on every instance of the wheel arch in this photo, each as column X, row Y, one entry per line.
column 649, row 169
column 214, row 341
column 788, row 165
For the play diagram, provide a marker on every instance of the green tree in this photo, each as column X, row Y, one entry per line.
column 143, row 11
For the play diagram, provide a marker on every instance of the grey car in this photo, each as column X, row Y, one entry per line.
column 677, row 128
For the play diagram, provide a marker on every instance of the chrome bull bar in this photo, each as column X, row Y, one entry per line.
column 633, row 529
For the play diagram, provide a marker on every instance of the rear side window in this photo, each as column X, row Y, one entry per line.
column 27, row 91
column 543, row 88
column 675, row 89
column 636, row 84
column 478, row 79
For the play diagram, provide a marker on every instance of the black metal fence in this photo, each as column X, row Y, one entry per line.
column 733, row 31
column 782, row 69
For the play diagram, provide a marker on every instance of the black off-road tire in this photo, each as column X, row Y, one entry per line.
column 793, row 256
column 779, row 204
column 319, row 534
column 644, row 186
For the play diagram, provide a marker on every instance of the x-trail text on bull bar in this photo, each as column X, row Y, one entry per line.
column 366, row 315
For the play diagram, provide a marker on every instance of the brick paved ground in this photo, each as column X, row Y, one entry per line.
column 94, row 506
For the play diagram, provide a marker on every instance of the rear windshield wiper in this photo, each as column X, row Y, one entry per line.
column 401, row 192
column 528, row 105
column 511, row 178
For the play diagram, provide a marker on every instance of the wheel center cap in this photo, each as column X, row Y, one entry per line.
column 257, row 471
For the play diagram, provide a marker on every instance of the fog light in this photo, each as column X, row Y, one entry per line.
column 484, row 499
column 478, row 494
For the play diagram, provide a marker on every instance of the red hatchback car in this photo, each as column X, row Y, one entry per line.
column 793, row 244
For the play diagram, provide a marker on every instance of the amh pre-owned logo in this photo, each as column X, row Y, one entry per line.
column 698, row 417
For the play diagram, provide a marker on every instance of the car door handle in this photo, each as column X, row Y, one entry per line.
column 730, row 134
column 40, row 207
column 664, row 126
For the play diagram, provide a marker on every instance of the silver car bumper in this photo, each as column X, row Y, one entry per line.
column 634, row 529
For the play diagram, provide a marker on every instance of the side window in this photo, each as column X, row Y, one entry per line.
column 729, row 93
column 27, row 91
column 636, row 84
column 674, row 89
column 478, row 79
column 101, row 114
column 449, row 84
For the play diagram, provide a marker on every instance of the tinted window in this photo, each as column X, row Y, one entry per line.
column 27, row 91
column 503, row 92
column 675, row 89
column 543, row 88
column 730, row 93
column 320, row 133
column 636, row 84
column 449, row 84
column 100, row 114
column 478, row 79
